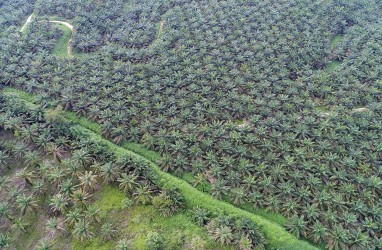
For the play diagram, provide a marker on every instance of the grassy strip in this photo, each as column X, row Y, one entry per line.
column 71, row 116
column 140, row 150
column 277, row 236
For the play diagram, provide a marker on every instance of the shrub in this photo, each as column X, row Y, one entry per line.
column 154, row 241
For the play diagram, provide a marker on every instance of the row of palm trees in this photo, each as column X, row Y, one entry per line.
column 62, row 175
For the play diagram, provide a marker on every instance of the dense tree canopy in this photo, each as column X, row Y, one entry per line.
column 276, row 104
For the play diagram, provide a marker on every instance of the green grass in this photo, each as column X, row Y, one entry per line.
column 19, row 93
column 334, row 65
column 277, row 236
column 109, row 198
column 174, row 229
column 61, row 47
column 94, row 243
column 336, row 39
column 142, row 151
column 275, row 217
column 238, row 122
column 73, row 117
column 134, row 223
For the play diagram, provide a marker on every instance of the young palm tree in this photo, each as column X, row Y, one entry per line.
column 73, row 216
column 319, row 232
column 108, row 231
column 3, row 160
column 5, row 241
column 26, row 175
column 82, row 230
column 4, row 183
column 92, row 213
column 197, row 243
column 88, row 180
column 25, row 203
column 223, row 235
column 58, row 203
column 5, row 210
column 55, row 150
column 109, row 172
column 200, row 215
column 54, row 225
column 338, row 238
column 82, row 156
column 127, row 182
column 32, row 159
column 123, row 245
column 44, row 245
column 80, row 197
column 245, row 243
column 296, row 225
column 143, row 195
column 19, row 225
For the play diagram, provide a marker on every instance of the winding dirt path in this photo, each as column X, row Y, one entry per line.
column 71, row 27
column 66, row 24
column 27, row 22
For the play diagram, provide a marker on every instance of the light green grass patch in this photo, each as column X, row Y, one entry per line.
column 334, row 65
column 61, row 48
column 73, row 117
column 94, row 243
column 109, row 198
column 21, row 94
column 142, row 151
column 175, row 229
column 238, row 122
column 275, row 217
column 336, row 39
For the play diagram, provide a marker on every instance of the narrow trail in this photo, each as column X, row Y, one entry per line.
column 277, row 236
column 161, row 24
column 27, row 22
column 64, row 23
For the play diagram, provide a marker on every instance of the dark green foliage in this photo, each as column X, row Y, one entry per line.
column 302, row 77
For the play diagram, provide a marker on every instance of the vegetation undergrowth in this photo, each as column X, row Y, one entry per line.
column 336, row 39
column 277, row 236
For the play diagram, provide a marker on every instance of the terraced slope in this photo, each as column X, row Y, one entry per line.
column 277, row 236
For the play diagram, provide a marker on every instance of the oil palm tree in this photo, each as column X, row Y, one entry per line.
column 223, row 235
column 25, row 203
column 127, row 182
column 108, row 231
column 82, row 230
column 3, row 160
column 297, row 226
column 88, row 180
column 109, row 172
column 80, row 197
column 142, row 194
column 58, row 203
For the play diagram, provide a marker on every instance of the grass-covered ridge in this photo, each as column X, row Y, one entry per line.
column 277, row 236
